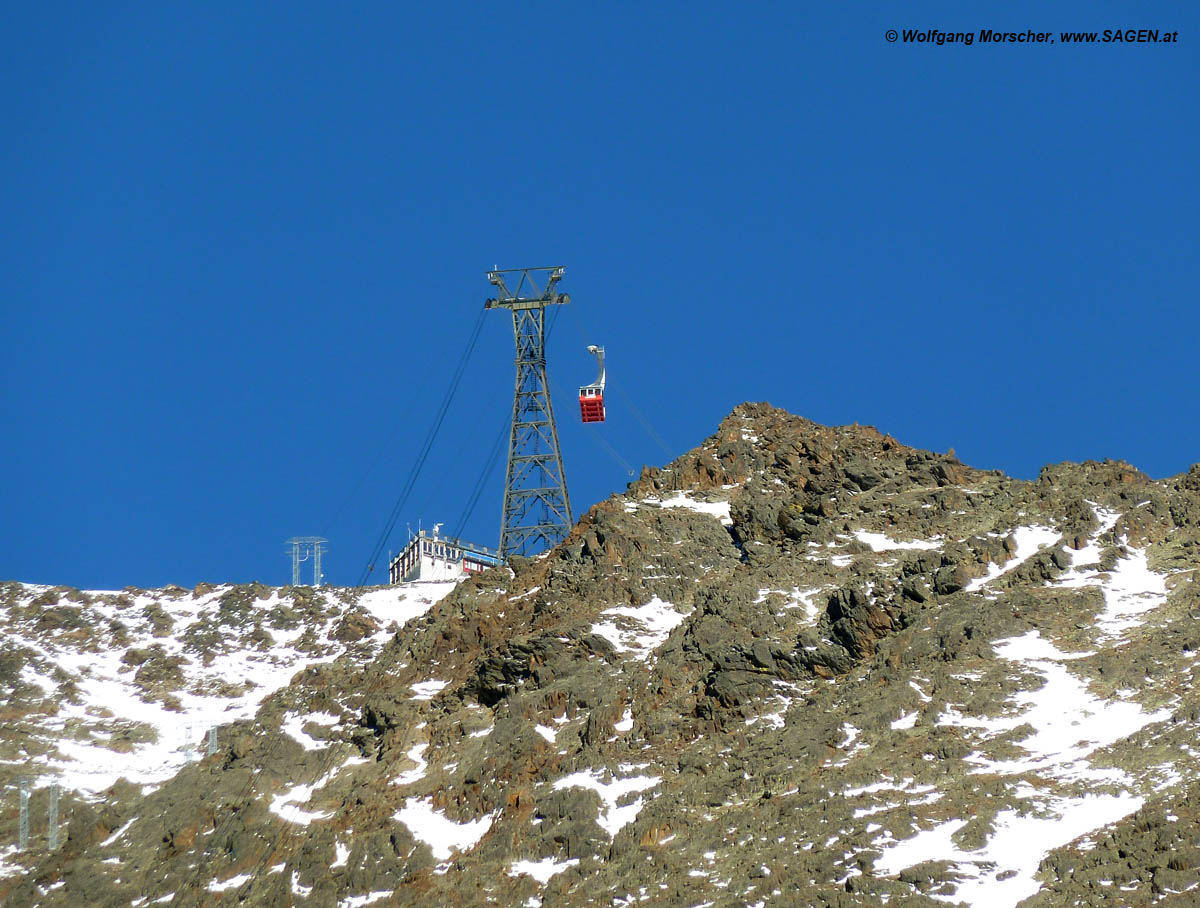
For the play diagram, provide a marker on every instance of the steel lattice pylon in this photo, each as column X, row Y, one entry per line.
column 302, row 547
column 537, row 509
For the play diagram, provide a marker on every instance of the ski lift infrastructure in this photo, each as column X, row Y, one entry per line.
column 536, row 512
column 591, row 397
column 434, row 555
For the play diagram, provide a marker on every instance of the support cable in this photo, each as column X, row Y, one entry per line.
column 489, row 467
column 402, row 499
column 612, row 452
column 644, row 423
column 470, row 442
column 383, row 449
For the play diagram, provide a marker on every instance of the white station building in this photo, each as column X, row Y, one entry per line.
column 429, row 556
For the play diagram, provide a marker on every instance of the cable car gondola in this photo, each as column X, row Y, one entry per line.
column 591, row 397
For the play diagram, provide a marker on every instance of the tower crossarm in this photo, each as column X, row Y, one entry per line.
column 527, row 295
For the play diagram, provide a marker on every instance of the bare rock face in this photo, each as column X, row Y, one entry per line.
column 799, row 665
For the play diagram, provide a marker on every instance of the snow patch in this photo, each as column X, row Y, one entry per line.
column 641, row 630
column 796, row 598
column 417, row 755
column 1030, row 540
column 851, row 745
column 442, row 835
column 341, row 855
column 293, row 725
column 229, row 687
column 1130, row 589
column 358, row 901
column 297, row 888
column 232, row 883
column 541, row 870
column 717, row 509
column 288, row 805
column 1069, row 723
column 1018, row 843
column 427, row 690
column 405, row 601
column 613, row 816
column 625, row 723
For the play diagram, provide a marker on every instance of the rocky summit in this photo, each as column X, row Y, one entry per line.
column 798, row 666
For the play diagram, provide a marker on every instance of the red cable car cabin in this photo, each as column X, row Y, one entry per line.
column 591, row 397
column 591, row 404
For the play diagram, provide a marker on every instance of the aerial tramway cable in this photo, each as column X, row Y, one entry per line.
column 658, row 439
column 399, row 424
column 398, row 509
column 469, row 446
column 489, row 467
column 402, row 499
column 612, row 452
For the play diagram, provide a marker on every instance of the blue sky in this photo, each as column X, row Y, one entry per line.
column 245, row 248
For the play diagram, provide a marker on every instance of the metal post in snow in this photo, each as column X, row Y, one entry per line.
column 23, row 823
column 52, row 834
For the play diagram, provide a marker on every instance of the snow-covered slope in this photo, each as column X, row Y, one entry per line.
column 135, row 684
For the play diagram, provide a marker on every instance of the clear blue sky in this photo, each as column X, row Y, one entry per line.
column 244, row 247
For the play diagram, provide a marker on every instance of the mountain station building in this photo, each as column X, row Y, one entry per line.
column 429, row 556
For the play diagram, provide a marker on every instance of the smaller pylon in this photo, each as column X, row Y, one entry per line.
column 23, row 821
column 52, row 820
column 303, row 548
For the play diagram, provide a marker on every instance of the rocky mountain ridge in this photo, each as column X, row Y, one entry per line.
column 800, row 665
